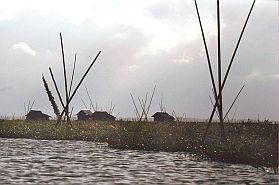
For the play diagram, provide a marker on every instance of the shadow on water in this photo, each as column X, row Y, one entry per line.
column 78, row 162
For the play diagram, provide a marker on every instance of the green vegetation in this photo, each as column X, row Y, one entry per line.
column 47, row 130
column 248, row 143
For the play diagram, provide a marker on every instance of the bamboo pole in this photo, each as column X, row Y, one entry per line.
column 223, row 135
column 234, row 101
column 25, row 112
column 77, row 87
column 207, row 53
column 148, row 108
column 174, row 114
column 56, row 88
column 217, row 113
column 28, row 107
column 71, row 113
column 144, row 103
column 237, row 45
column 161, row 104
column 83, row 103
column 234, row 114
column 215, row 96
column 91, row 103
column 142, row 107
column 228, row 70
column 57, row 91
column 136, row 109
column 73, row 73
column 32, row 105
column 112, row 106
column 65, row 80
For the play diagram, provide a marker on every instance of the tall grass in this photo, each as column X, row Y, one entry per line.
column 248, row 143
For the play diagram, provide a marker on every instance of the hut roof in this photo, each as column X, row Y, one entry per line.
column 102, row 114
column 86, row 112
column 162, row 115
column 36, row 113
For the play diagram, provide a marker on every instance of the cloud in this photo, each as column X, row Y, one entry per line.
column 132, row 68
column 2, row 89
column 256, row 74
column 165, row 32
column 182, row 60
column 23, row 47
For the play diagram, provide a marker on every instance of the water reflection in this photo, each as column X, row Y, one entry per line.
column 77, row 162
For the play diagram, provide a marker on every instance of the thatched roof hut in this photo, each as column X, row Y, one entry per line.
column 84, row 114
column 162, row 116
column 102, row 116
column 37, row 115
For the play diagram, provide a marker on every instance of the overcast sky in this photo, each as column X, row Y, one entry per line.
column 143, row 43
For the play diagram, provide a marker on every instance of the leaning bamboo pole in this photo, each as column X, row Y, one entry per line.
column 73, row 73
column 91, row 102
column 233, row 102
column 207, row 53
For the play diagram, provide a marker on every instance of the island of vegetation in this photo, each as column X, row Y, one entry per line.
column 253, row 143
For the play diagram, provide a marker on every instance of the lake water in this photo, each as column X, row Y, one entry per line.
column 25, row 161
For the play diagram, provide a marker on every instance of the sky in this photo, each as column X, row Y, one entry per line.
column 143, row 43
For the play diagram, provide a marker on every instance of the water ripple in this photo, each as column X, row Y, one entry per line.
column 26, row 161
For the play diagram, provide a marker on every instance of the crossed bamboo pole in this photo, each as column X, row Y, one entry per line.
column 143, row 105
column 221, row 84
column 69, row 95
column 77, row 87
